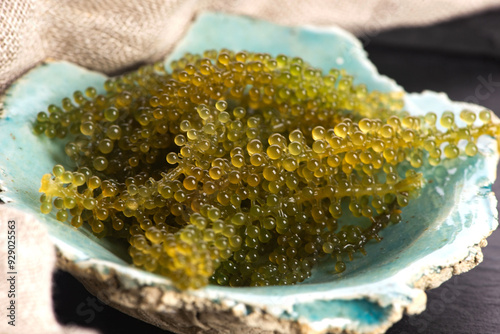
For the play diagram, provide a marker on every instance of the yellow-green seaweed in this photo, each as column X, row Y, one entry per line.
column 236, row 168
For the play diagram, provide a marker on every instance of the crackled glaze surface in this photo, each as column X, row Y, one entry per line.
column 440, row 230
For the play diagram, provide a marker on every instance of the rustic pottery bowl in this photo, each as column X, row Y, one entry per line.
column 440, row 235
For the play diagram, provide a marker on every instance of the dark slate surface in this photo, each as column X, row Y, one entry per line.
column 461, row 58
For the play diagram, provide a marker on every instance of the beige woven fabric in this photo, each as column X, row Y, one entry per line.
column 34, row 263
column 111, row 35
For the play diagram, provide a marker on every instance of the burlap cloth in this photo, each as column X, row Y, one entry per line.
column 110, row 36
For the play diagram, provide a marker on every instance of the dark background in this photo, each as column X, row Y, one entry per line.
column 459, row 58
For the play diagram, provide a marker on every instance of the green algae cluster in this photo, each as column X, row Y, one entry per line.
column 237, row 168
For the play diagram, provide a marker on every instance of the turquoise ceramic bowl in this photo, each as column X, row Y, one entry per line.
column 441, row 232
